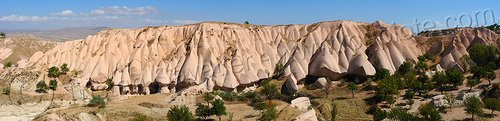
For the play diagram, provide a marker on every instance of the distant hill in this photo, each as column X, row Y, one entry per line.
column 65, row 34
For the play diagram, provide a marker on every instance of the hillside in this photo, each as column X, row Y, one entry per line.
column 64, row 34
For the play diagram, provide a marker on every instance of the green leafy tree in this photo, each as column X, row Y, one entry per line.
column 218, row 108
column 177, row 113
column 455, row 78
column 467, row 63
column 42, row 86
column 270, row 90
column 334, row 111
column 429, row 112
column 406, row 67
column 492, row 104
column 450, row 99
column 53, row 84
column 421, row 66
column 472, row 82
column 421, row 58
column 203, row 111
column 97, row 100
column 246, row 22
column 478, row 72
column 390, row 99
column 8, row 64
column 482, row 54
column 379, row 114
column 382, row 73
column 386, row 87
column 2, row 34
column 6, row 90
column 490, row 75
column 279, row 70
column 400, row 114
column 53, row 72
column 409, row 94
column 352, row 87
column 473, row 106
column 440, row 80
column 64, row 68
column 208, row 97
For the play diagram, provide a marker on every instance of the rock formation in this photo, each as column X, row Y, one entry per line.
column 230, row 56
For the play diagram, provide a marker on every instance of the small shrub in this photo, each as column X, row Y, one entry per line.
column 311, row 87
column 278, row 71
column 409, row 94
column 300, row 94
column 97, row 100
column 6, row 90
column 334, row 111
column 203, row 111
column 251, row 95
column 110, row 84
column 8, row 64
column 265, row 82
column 177, row 113
column 268, row 115
column 270, row 90
column 140, row 118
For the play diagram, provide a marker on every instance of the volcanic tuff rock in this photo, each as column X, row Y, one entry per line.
column 230, row 56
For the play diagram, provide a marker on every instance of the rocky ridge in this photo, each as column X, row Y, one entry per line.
column 230, row 56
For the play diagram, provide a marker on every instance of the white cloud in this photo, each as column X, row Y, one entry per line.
column 122, row 11
column 186, row 21
column 64, row 13
column 17, row 18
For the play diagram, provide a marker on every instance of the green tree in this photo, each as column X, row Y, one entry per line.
column 352, row 87
column 2, row 34
column 8, row 64
column 53, row 84
column 218, row 108
column 479, row 72
column 42, row 86
column 421, row 58
column 382, row 73
column 278, row 70
column 177, row 113
column 409, row 94
column 203, row 111
column 440, row 80
column 246, row 22
column 64, row 68
column 400, row 114
column 492, row 104
column 390, row 99
column 269, row 114
column 455, row 78
column 490, row 75
column 208, row 97
column 53, row 72
column 450, row 99
column 386, row 87
column 421, row 66
column 481, row 54
column 334, row 110
column 466, row 62
column 429, row 112
column 6, row 90
column 473, row 106
column 472, row 82
column 379, row 114
column 270, row 90
column 406, row 67
column 97, row 100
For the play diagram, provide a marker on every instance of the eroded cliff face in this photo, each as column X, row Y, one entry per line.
column 230, row 56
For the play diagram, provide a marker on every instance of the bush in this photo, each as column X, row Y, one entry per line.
column 268, row 115
column 429, row 112
column 177, row 113
column 400, row 114
column 379, row 114
column 409, row 94
column 140, row 118
column 242, row 98
column 251, row 95
column 311, row 87
column 97, row 100
column 110, row 84
column 42, row 86
column 6, row 90
column 230, row 96
column 300, row 94
column 8, row 64
column 406, row 67
column 53, row 72
column 270, row 90
column 53, row 84
column 278, row 71
column 265, row 82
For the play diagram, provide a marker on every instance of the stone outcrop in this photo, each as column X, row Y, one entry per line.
column 230, row 56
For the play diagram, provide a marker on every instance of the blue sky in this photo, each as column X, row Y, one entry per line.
column 56, row 14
